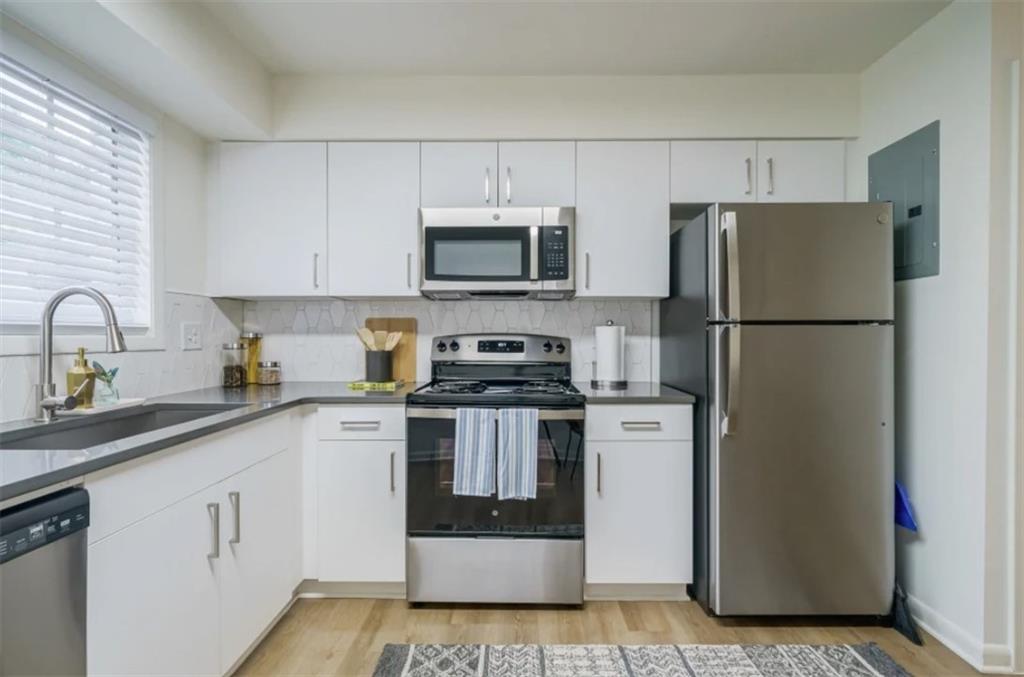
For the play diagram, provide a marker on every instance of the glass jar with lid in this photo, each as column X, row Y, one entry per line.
column 233, row 359
column 268, row 373
column 253, row 342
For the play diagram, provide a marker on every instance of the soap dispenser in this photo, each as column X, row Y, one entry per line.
column 82, row 381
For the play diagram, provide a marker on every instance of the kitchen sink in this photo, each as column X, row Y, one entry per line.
column 88, row 431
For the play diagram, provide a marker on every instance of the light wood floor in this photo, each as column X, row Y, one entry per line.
column 345, row 636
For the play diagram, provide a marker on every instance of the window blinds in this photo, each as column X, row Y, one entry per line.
column 74, row 204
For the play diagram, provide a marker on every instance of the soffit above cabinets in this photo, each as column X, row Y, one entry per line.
column 569, row 38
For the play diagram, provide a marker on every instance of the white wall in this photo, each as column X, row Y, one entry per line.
column 182, row 177
column 950, row 420
column 329, row 107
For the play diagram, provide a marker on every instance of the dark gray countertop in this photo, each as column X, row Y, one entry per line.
column 23, row 471
column 636, row 392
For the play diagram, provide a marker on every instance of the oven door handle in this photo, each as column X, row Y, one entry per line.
column 450, row 413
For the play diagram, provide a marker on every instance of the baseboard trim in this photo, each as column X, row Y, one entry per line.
column 619, row 592
column 312, row 589
column 988, row 658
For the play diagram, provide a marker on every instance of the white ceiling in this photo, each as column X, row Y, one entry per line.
column 570, row 38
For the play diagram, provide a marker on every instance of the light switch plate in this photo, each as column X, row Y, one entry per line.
column 191, row 336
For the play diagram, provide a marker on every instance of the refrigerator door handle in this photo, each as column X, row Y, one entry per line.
column 732, row 265
column 732, row 367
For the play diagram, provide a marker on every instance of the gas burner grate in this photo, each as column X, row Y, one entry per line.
column 542, row 387
column 459, row 387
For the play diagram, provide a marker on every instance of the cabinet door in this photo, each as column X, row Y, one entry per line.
column 373, row 199
column 259, row 550
column 272, row 235
column 459, row 174
column 153, row 594
column 622, row 218
column 714, row 171
column 361, row 511
column 801, row 171
column 639, row 512
column 537, row 173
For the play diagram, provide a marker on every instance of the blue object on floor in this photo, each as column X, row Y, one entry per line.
column 904, row 510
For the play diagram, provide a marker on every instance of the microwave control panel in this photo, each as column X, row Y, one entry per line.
column 554, row 262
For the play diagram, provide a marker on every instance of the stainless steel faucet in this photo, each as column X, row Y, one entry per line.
column 47, row 402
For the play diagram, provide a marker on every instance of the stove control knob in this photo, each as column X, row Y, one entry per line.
column 547, row 346
column 454, row 345
column 441, row 347
column 560, row 348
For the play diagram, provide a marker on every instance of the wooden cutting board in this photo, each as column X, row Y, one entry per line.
column 403, row 362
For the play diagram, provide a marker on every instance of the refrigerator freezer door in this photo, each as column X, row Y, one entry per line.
column 801, row 262
column 802, row 483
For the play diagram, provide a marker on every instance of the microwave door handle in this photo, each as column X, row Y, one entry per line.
column 534, row 253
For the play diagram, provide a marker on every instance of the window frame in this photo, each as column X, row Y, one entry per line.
column 23, row 339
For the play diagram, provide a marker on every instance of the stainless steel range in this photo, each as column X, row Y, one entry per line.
column 481, row 549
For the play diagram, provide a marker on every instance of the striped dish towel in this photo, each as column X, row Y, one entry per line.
column 517, row 454
column 474, row 452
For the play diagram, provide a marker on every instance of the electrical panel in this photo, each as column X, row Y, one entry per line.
column 906, row 173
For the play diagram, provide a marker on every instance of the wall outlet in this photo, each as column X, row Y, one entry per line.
column 191, row 336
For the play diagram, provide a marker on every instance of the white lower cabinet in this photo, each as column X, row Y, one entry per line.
column 189, row 588
column 259, row 557
column 153, row 595
column 361, row 511
column 639, row 496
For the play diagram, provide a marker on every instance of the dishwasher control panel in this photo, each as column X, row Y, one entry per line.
column 44, row 520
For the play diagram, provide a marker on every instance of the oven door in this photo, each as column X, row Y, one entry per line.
column 482, row 251
column 432, row 509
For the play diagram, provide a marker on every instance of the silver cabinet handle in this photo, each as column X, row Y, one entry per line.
column 408, row 270
column 586, row 270
column 732, row 266
column 392, row 472
column 640, row 425
column 487, row 185
column 771, row 176
column 508, row 185
column 360, row 425
column 214, row 511
column 235, row 499
column 316, row 270
column 732, row 367
column 599, row 472
column 534, row 253
column 750, row 178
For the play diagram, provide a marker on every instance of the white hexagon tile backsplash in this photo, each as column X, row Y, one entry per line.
column 315, row 340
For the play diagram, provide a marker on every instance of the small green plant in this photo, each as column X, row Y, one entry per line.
column 104, row 375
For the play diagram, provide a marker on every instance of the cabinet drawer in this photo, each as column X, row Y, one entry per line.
column 348, row 422
column 639, row 422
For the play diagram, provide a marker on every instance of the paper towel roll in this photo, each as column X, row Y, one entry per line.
column 610, row 356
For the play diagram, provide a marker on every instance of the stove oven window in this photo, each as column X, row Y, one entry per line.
column 434, row 511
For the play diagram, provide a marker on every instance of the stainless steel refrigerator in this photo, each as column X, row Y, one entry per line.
column 780, row 321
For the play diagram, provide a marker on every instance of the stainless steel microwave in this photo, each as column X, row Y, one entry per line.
column 510, row 253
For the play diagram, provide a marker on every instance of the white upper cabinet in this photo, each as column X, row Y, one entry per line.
column 714, row 171
column 622, row 218
column 372, row 204
column 801, row 171
column 537, row 173
column 506, row 174
column 271, row 235
column 460, row 174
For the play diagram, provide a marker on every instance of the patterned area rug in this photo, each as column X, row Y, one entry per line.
column 666, row 660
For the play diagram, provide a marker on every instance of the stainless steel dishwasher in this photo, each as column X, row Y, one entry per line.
column 43, row 585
